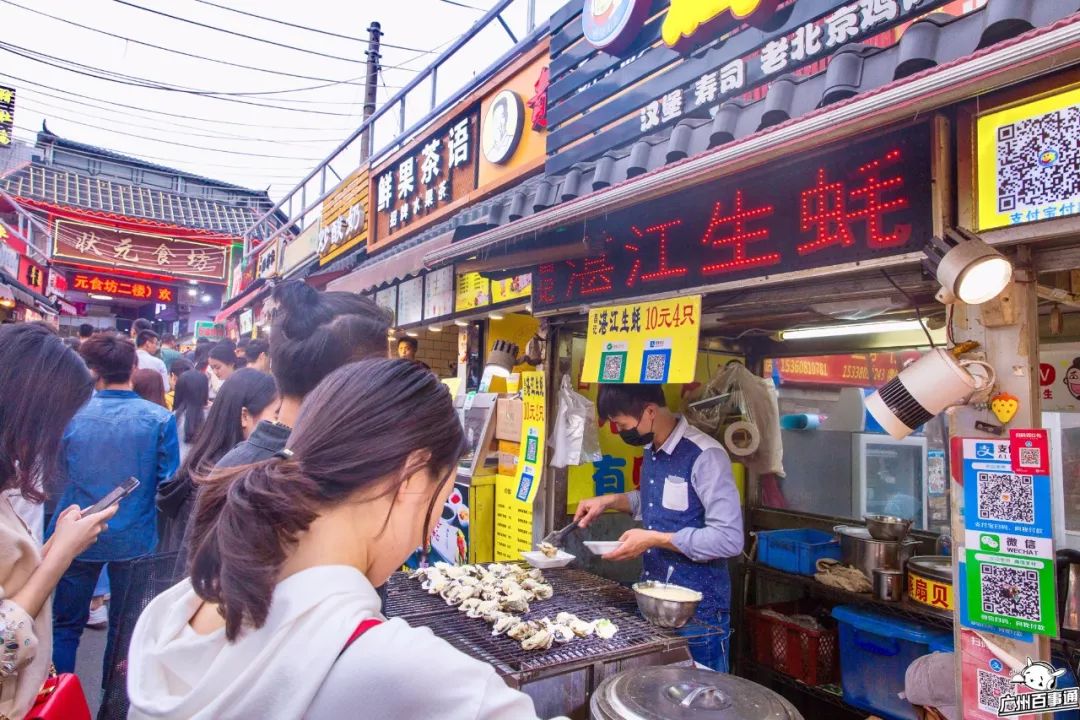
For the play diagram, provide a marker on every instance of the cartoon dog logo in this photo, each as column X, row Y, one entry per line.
column 1038, row 675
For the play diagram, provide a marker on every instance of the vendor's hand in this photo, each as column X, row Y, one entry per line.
column 589, row 510
column 75, row 532
column 635, row 542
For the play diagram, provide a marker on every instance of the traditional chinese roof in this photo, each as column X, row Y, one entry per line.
column 855, row 69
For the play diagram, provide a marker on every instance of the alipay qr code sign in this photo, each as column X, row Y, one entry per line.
column 1009, row 554
column 648, row 342
column 1029, row 161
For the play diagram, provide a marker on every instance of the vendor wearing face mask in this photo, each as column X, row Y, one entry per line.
column 688, row 504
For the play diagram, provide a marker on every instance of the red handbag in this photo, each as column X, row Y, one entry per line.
column 61, row 698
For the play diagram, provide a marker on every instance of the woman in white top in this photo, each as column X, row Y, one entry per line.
column 293, row 548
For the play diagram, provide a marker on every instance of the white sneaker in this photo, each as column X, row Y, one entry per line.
column 99, row 617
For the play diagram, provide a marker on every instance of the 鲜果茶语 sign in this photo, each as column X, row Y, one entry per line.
column 1028, row 160
column 649, row 342
column 1008, row 570
column 530, row 465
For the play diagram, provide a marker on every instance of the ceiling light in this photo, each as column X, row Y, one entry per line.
column 193, row 282
column 496, row 316
column 874, row 328
column 412, row 334
column 435, row 328
column 100, row 297
column 206, row 298
column 192, row 292
column 461, row 323
column 967, row 268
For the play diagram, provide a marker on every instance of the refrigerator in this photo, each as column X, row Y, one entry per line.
column 889, row 477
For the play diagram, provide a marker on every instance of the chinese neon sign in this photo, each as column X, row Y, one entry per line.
column 871, row 200
column 122, row 288
column 7, row 115
column 687, row 19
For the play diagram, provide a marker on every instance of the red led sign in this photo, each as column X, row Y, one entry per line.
column 867, row 200
column 120, row 287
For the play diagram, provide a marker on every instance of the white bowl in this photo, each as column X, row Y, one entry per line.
column 539, row 560
column 602, row 547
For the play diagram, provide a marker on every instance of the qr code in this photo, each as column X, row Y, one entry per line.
column 1030, row 457
column 613, row 368
column 991, row 688
column 1039, row 160
column 1010, row 591
column 1007, row 497
column 655, row 368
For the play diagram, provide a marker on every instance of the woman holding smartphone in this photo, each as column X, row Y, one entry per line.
column 42, row 384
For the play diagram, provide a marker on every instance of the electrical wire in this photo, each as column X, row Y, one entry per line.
column 186, row 116
column 249, row 37
column 310, row 29
column 914, row 306
column 7, row 48
column 171, row 50
column 463, row 5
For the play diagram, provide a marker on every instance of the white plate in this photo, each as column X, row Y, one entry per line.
column 598, row 547
column 539, row 560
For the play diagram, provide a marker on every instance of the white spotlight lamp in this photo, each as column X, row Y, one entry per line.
column 501, row 359
column 967, row 268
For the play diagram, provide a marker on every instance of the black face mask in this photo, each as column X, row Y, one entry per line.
column 633, row 437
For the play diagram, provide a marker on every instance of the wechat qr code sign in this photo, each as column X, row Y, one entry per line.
column 991, row 687
column 612, row 367
column 1010, row 591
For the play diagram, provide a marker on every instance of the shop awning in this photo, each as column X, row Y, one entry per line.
column 389, row 267
column 22, row 294
column 741, row 137
column 250, row 294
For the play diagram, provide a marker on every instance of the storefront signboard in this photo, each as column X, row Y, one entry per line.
column 88, row 282
column 102, row 245
column 475, row 291
column 589, row 113
column 651, row 342
column 1027, row 161
column 247, row 321
column 530, row 466
column 267, row 261
column 439, row 293
column 7, row 116
column 1059, row 377
column 344, row 217
column 513, row 521
column 858, row 370
column 868, row 201
column 32, row 275
column 1008, row 573
column 410, row 307
column 300, row 249
column 9, row 259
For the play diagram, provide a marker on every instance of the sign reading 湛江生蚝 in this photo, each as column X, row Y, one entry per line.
column 86, row 282
column 871, row 200
column 344, row 217
column 141, row 251
column 7, row 115
column 425, row 181
column 650, row 342
column 1008, row 572
column 1028, row 160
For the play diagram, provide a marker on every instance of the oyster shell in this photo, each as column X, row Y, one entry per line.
column 495, row 615
column 565, row 618
column 562, row 633
column 469, row 606
column 483, row 607
column 605, row 629
column 540, row 640
column 505, row 624
column 455, row 572
column 524, row 629
column 517, row 602
column 548, row 549
column 581, row 628
column 543, row 592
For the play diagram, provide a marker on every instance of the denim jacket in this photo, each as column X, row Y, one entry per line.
column 118, row 435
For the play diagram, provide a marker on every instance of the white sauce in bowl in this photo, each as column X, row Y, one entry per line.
column 678, row 594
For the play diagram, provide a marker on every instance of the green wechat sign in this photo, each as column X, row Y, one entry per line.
column 1010, row 592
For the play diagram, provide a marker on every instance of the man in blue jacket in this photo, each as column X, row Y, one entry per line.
column 117, row 435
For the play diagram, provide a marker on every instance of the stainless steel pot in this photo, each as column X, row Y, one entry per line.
column 860, row 550
column 684, row 693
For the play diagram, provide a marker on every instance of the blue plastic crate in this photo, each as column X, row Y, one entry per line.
column 875, row 651
column 796, row 551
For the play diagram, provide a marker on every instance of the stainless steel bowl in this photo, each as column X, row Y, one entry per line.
column 887, row 527
column 665, row 613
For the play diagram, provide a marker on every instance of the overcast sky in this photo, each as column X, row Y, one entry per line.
column 271, row 143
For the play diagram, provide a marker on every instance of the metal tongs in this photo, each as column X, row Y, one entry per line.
column 557, row 537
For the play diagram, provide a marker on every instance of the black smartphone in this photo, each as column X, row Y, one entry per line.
column 117, row 494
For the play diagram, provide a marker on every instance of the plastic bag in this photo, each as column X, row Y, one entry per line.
column 575, row 439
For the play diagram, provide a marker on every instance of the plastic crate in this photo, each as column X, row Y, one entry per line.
column 810, row 656
column 875, row 651
column 796, row 551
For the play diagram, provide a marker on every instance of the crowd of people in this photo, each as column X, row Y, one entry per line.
column 288, row 479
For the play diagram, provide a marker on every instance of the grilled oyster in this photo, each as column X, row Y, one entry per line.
column 548, row 549
column 581, row 628
column 540, row 640
column 469, row 605
column 565, row 618
column 543, row 592
column 505, row 624
column 483, row 607
column 605, row 629
column 524, row 629
column 561, row 633
column 493, row 616
column 517, row 602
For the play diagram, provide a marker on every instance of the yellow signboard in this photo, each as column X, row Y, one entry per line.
column 476, row 291
column 514, row 288
column 1025, row 163
column 530, row 465
column 649, row 342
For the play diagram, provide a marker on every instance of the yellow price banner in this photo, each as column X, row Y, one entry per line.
column 533, row 436
column 648, row 342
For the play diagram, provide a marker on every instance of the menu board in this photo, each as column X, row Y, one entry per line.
column 473, row 291
column 439, row 293
column 387, row 299
column 410, row 301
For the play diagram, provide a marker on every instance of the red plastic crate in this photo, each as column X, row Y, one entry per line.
column 809, row 656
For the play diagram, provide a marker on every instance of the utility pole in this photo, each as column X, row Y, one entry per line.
column 371, row 86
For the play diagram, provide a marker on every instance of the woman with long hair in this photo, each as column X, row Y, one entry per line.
column 42, row 384
column 284, row 574
column 243, row 401
column 151, row 389
column 189, row 405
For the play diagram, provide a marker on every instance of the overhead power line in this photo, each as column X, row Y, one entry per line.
column 107, row 78
column 189, row 21
column 310, row 29
column 174, row 50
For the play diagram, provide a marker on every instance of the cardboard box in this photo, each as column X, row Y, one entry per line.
column 509, row 414
column 508, row 457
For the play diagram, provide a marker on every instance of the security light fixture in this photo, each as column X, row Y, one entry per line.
column 968, row 269
column 501, row 359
